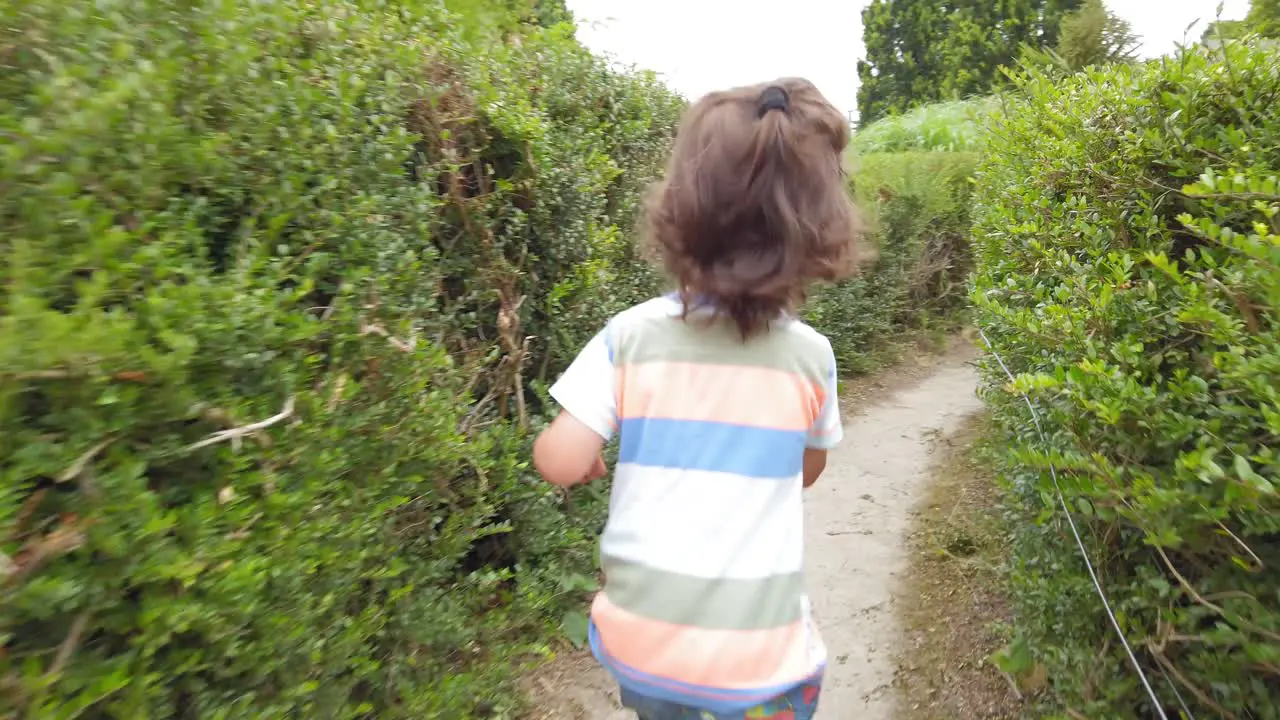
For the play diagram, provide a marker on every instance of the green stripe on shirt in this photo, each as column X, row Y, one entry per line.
column 713, row 603
column 671, row 339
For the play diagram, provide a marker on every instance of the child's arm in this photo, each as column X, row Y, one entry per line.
column 827, row 430
column 815, row 461
column 568, row 452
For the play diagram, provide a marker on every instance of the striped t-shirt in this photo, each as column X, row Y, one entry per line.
column 703, row 602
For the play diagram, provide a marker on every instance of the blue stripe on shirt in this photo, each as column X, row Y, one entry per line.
column 713, row 447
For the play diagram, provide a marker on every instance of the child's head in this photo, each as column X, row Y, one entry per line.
column 754, row 206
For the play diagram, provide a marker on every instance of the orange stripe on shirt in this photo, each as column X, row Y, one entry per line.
column 702, row 656
column 732, row 394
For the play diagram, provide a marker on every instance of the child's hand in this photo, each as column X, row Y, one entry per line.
column 597, row 471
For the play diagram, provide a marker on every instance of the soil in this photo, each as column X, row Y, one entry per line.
column 950, row 600
column 860, row 518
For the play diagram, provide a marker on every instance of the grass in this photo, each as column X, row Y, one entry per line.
column 952, row 604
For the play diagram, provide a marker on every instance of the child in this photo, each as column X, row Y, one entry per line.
column 725, row 406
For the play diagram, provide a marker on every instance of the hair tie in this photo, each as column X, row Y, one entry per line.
column 773, row 98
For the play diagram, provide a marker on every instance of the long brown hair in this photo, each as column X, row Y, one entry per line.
column 754, row 205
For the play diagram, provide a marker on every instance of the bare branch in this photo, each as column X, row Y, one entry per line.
column 1243, row 545
column 243, row 531
column 42, row 375
column 1239, row 622
column 135, row 376
column 1200, row 694
column 24, row 513
column 70, row 644
column 397, row 343
column 1013, row 684
column 63, row 539
column 77, row 467
column 522, row 413
column 236, row 433
column 475, row 410
column 339, row 386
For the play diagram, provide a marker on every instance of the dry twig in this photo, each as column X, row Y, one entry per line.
column 135, row 376
column 1195, row 595
column 69, row 645
column 1246, row 548
column 339, row 386
column 42, row 375
column 77, row 467
column 465, row 425
column 63, row 539
column 397, row 343
column 236, row 433
column 1200, row 694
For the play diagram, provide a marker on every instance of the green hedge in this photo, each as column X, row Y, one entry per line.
column 1129, row 271
column 917, row 206
column 955, row 126
column 340, row 221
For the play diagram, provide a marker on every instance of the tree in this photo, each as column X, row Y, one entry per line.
column 1219, row 30
column 923, row 51
column 551, row 12
column 1264, row 18
column 1093, row 35
column 507, row 18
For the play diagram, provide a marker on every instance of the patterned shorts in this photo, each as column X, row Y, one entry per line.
column 799, row 704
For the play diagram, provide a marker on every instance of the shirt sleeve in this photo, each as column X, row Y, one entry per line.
column 828, row 429
column 586, row 390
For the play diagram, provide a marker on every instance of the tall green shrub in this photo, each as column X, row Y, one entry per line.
column 1128, row 251
column 278, row 282
column 917, row 208
column 947, row 127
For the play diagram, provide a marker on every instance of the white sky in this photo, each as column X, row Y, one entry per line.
column 704, row 45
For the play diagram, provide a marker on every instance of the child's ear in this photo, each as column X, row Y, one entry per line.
column 566, row 453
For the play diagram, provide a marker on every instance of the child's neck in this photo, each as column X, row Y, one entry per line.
column 702, row 301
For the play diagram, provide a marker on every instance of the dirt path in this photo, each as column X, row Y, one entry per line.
column 857, row 518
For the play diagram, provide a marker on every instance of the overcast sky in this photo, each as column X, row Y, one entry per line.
column 704, row 45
